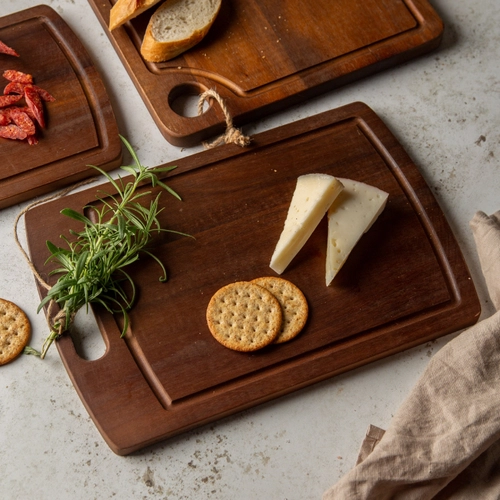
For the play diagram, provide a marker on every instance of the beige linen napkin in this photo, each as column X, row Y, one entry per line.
column 444, row 441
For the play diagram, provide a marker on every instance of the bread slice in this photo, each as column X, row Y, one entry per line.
column 176, row 26
column 124, row 10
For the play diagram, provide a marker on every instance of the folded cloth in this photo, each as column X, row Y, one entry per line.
column 444, row 441
column 486, row 231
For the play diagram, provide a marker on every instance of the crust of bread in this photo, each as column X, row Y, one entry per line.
column 124, row 10
column 153, row 50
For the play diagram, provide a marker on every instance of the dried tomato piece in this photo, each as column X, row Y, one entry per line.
column 12, row 132
column 14, row 88
column 28, row 111
column 5, row 49
column 17, row 76
column 18, row 88
column 44, row 94
column 7, row 100
column 34, row 103
column 32, row 140
column 22, row 120
column 4, row 117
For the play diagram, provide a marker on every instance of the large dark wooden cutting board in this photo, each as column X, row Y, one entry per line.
column 405, row 283
column 81, row 128
column 263, row 55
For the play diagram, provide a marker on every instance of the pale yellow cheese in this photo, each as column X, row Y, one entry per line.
column 349, row 217
column 313, row 195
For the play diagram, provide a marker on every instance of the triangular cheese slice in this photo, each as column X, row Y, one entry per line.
column 349, row 217
column 313, row 194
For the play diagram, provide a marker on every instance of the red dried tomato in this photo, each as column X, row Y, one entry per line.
column 17, row 76
column 18, row 122
column 12, row 132
column 5, row 49
column 8, row 100
column 35, row 104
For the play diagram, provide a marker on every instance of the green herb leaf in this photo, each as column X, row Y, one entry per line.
column 76, row 215
column 29, row 350
column 92, row 266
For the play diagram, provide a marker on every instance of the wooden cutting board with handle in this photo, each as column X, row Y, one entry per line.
column 261, row 56
column 404, row 284
column 80, row 130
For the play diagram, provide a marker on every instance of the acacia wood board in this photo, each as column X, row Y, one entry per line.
column 261, row 56
column 81, row 129
column 404, row 284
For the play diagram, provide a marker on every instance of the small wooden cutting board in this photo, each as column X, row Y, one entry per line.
column 81, row 128
column 261, row 56
column 405, row 283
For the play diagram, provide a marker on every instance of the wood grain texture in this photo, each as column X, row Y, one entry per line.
column 81, row 127
column 263, row 55
column 404, row 284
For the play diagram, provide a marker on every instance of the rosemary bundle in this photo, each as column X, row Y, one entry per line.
column 92, row 267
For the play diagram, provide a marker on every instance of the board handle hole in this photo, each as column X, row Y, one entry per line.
column 87, row 338
column 183, row 99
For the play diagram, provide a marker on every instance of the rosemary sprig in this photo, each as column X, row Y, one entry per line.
column 92, row 267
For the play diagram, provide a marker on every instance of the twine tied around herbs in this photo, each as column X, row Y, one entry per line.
column 232, row 135
column 56, row 321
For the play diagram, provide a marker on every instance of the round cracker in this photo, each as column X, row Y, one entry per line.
column 244, row 316
column 15, row 331
column 293, row 303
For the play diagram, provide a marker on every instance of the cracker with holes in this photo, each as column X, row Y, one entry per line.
column 244, row 316
column 293, row 304
column 15, row 331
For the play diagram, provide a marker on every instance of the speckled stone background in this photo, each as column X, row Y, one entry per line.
column 444, row 110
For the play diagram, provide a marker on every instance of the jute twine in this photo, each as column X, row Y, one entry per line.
column 56, row 321
column 232, row 135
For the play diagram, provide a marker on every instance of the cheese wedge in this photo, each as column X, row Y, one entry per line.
column 313, row 194
column 349, row 217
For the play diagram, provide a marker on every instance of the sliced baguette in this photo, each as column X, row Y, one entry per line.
column 176, row 26
column 124, row 10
